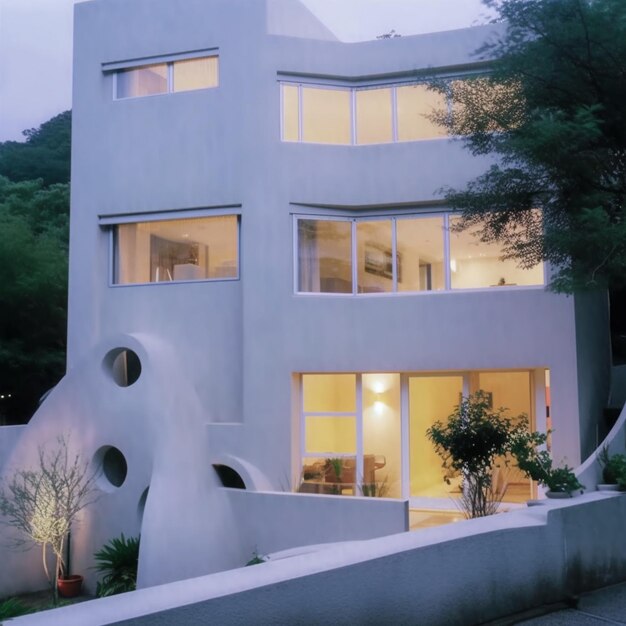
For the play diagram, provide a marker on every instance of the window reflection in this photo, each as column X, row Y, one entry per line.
column 148, row 80
column 474, row 263
column 415, row 104
column 325, row 256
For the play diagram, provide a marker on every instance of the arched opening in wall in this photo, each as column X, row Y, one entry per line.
column 123, row 365
column 229, row 477
column 141, row 506
column 111, row 467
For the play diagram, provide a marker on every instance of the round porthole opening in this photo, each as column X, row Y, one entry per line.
column 123, row 365
column 111, row 466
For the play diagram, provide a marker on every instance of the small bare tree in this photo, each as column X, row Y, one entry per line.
column 42, row 504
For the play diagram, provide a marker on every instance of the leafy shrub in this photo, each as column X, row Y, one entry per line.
column 537, row 464
column 469, row 445
column 118, row 561
column 613, row 468
column 12, row 607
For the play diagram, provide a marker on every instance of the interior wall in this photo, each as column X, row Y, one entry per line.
column 431, row 398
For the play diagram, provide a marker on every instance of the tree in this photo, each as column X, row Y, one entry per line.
column 33, row 298
column 552, row 112
column 43, row 503
column 45, row 154
column 472, row 442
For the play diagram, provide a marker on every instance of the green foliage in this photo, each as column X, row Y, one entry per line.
column 613, row 468
column 118, row 561
column 335, row 465
column 12, row 607
column 257, row 559
column 377, row 489
column 537, row 463
column 33, row 298
column 470, row 444
column 552, row 112
column 44, row 155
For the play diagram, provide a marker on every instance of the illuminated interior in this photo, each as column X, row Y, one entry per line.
column 326, row 257
column 474, row 263
column 160, row 78
column 177, row 250
column 352, row 428
column 367, row 115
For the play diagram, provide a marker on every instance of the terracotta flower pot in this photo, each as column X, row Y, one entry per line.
column 70, row 586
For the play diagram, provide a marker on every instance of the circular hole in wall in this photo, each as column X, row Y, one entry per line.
column 123, row 365
column 111, row 466
column 141, row 507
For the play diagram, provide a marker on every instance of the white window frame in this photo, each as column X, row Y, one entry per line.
column 111, row 224
column 168, row 61
column 393, row 218
column 353, row 112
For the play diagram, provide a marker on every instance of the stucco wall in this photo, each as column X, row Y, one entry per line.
column 465, row 573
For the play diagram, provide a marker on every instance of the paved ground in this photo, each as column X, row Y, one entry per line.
column 598, row 608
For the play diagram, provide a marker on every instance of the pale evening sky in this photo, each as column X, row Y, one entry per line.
column 36, row 45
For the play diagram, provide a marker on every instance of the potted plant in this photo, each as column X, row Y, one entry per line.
column 613, row 471
column 43, row 503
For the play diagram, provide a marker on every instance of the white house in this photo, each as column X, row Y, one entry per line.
column 262, row 278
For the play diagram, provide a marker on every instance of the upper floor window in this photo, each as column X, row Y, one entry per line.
column 202, row 248
column 167, row 77
column 341, row 115
column 399, row 254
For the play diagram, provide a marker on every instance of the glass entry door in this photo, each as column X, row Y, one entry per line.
column 431, row 398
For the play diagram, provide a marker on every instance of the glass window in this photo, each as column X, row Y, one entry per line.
column 326, row 115
column 329, row 393
column 291, row 114
column 177, row 250
column 148, row 80
column 330, row 434
column 415, row 103
column 474, row 263
column 193, row 74
column 324, row 256
column 375, row 256
column 420, row 244
column 373, row 116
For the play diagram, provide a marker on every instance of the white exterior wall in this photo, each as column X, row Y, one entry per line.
column 219, row 358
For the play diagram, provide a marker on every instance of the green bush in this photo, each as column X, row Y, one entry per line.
column 12, row 607
column 613, row 468
column 537, row 464
column 470, row 444
column 118, row 561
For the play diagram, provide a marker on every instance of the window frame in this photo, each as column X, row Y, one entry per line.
column 111, row 225
column 169, row 61
column 300, row 85
column 393, row 218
